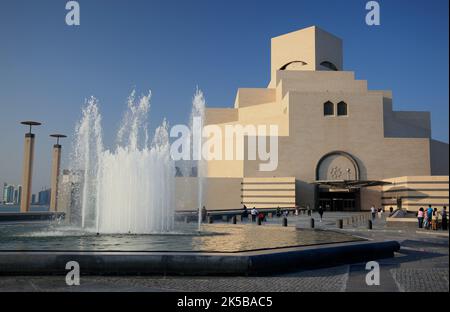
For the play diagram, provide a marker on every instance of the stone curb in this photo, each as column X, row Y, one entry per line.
column 264, row 262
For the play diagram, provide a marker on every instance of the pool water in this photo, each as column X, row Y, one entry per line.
column 44, row 236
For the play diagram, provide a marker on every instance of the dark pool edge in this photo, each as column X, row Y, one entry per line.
column 31, row 216
column 196, row 264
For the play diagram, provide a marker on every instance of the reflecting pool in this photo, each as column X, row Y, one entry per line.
column 185, row 238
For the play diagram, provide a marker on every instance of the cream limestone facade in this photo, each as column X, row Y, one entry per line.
column 413, row 192
column 331, row 128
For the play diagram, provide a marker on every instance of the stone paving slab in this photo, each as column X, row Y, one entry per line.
column 332, row 279
column 357, row 280
column 421, row 280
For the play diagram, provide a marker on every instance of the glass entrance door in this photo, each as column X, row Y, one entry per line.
column 339, row 201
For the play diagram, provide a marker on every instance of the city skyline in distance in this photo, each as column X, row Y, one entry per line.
column 11, row 195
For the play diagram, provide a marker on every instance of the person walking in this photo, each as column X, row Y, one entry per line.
column 373, row 211
column 278, row 213
column 444, row 218
column 429, row 216
column 245, row 213
column 380, row 213
column 254, row 213
column 308, row 210
column 261, row 217
column 204, row 214
column 435, row 221
column 320, row 213
column 420, row 217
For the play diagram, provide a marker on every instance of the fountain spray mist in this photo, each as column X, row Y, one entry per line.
column 197, row 123
column 85, row 158
column 130, row 189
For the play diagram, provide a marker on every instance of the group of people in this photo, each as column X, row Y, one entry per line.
column 374, row 212
column 429, row 218
column 280, row 213
column 255, row 214
column 432, row 218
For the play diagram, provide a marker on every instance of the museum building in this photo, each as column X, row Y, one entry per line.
column 340, row 145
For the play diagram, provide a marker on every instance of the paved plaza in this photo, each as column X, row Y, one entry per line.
column 421, row 265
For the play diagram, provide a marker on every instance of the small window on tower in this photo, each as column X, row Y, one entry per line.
column 328, row 109
column 329, row 66
column 293, row 65
column 342, row 109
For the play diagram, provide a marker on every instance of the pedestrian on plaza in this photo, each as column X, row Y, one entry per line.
column 425, row 220
column 429, row 216
column 308, row 211
column 320, row 212
column 245, row 213
column 444, row 218
column 262, row 217
column 204, row 214
column 420, row 214
column 435, row 221
column 278, row 212
column 380, row 213
column 254, row 213
column 373, row 211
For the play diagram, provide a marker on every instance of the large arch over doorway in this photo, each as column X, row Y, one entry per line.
column 337, row 165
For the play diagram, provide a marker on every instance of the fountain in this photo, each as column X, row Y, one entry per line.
column 129, row 189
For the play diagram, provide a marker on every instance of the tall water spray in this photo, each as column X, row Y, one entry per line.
column 197, row 122
column 86, row 154
column 129, row 189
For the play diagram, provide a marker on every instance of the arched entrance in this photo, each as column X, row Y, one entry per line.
column 333, row 167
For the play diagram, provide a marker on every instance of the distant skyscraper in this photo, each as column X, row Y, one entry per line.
column 33, row 199
column 10, row 198
column 5, row 192
column 8, row 193
column 44, row 197
column 17, row 194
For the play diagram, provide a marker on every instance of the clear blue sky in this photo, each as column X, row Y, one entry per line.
column 47, row 68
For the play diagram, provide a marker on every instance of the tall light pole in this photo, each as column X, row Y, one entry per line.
column 28, row 155
column 56, row 162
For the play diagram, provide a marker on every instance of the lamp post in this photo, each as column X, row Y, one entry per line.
column 28, row 155
column 56, row 161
